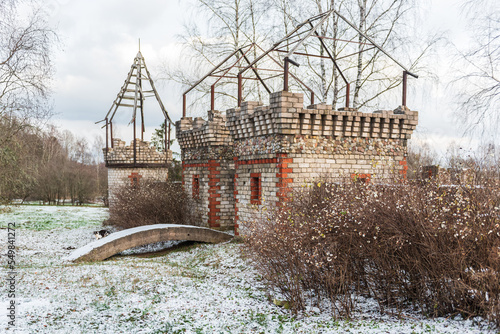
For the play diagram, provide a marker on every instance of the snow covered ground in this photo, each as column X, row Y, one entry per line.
column 200, row 288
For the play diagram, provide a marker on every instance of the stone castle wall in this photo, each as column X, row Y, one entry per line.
column 277, row 147
column 208, row 168
column 122, row 171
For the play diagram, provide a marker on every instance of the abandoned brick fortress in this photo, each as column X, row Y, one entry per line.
column 236, row 161
column 255, row 154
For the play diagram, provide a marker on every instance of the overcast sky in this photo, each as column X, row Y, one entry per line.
column 99, row 40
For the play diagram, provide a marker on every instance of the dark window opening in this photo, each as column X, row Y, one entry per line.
column 255, row 188
column 134, row 180
column 196, row 187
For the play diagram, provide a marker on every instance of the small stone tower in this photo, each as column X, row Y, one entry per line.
column 208, row 168
column 131, row 165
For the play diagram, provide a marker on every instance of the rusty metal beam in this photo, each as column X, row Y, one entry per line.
column 347, row 93
column 257, row 74
column 184, row 105
column 135, row 145
column 212, row 97
column 240, row 89
column 216, row 68
column 344, row 40
column 304, row 54
column 231, row 77
column 291, row 74
column 330, row 55
column 405, row 78
column 355, row 53
column 285, row 75
column 314, row 28
column 369, row 39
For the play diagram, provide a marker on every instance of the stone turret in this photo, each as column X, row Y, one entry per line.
column 124, row 169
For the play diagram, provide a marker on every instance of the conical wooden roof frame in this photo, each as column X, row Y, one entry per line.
column 140, row 72
column 132, row 90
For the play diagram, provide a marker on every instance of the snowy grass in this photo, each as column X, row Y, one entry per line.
column 49, row 217
column 194, row 288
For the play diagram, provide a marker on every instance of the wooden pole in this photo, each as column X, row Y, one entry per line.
column 111, row 132
column 135, row 146
column 169, row 131
column 107, row 140
column 165, row 135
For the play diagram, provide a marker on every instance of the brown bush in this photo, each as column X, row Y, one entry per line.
column 151, row 203
column 416, row 245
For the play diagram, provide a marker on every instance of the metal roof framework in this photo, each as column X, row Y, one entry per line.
column 230, row 68
column 292, row 45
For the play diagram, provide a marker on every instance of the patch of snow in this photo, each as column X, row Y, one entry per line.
column 202, row 288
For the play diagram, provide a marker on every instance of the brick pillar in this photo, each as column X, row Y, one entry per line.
column 404, row 170
column 213, row 194
column 235, row 193
column 283, row 180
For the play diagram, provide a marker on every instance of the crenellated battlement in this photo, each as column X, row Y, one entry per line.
column 286, row 116
column 121, row 154
column 203, row 133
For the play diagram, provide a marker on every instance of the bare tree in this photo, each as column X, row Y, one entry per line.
column 25, row 72
column 234, row 23
column 479, row 73
column 372, row 75
column 25, row 62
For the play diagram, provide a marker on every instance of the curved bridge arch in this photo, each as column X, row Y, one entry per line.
column 119, row 241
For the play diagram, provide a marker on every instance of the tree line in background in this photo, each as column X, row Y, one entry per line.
column 51, row 166
column 483, row 162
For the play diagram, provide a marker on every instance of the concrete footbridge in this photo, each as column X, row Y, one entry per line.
column 119, row 241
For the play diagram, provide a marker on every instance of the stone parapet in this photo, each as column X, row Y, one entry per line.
column 145, row 153
column 200, row 133
column 286, row 116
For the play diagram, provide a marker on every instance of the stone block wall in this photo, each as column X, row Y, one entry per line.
column 208, row 168
column 120, row 153
column 122, row 171
column 118, row 177
column 277, row 147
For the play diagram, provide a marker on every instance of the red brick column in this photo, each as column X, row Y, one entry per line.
column 404, row 170
column 213, row 195
column 283, row 180
column 235, row 193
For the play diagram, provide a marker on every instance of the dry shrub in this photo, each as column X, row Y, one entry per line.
column 414, row 245
column 151, row 203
